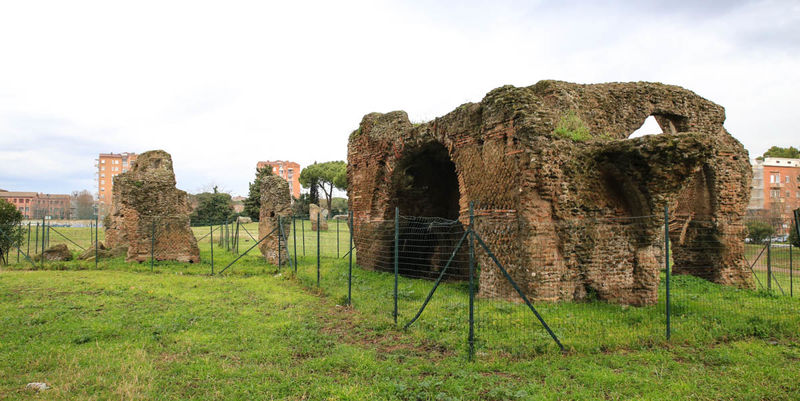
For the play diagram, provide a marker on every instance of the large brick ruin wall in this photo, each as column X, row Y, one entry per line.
column 276, row 204
column 567, row 218
column 145, row 203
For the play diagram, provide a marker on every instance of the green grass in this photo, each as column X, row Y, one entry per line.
column 259, row 332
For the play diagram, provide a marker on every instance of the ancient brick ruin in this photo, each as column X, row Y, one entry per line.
column 568, row 214
column 149, row 214
column 318, row 216
column 276, row 202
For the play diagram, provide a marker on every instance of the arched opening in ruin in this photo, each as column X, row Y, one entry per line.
column 425, row 183
column 426, row 191
column 660, row 123
column 696, row 245
column 649, row 127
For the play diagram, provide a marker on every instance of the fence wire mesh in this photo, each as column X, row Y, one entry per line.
column 579, row 287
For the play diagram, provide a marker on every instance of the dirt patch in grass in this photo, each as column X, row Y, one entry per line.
column 346, row 324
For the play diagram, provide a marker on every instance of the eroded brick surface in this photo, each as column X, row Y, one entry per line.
column 568, row 218
column 275, row 206
column 149, row 215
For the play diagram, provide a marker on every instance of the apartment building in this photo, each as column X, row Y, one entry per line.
column 289, row 171
column 34, row 205
column 108, row 166
column 776, row 186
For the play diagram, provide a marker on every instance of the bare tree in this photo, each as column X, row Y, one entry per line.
column 83, row 202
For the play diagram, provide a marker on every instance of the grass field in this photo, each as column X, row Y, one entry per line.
column 259, row 332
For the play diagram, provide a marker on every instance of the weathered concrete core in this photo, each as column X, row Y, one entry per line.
column 276, row 202
column 318, row 217
column 566, row 201
column 145, row 203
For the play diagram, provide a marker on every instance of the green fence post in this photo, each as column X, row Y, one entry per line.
column 294, row 241
column 279, row 242
column 153, row 245
column 396, row 254
column 36, row 238
column 303, row 228
column 337, row 238
column 96, row 239
column 350, row 264
column 791, row 275
column 29, row 239
column 211, row 233
column 19, row 245
column 43, row 243
column 319, row 216
column 471, row 338
column 769, row 264
column 667, row 267
column 236, row 238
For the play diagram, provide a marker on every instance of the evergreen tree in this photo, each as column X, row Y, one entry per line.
column 212, row 208
column 324, row 176
column 10, row 229
column 252, row 205
column 776, row 151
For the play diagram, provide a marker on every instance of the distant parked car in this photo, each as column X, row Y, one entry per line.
column 780, row 238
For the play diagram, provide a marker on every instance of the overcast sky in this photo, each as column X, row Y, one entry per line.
column 221, row 85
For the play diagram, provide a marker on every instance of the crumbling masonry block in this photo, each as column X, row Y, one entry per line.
column 149, row 215
column 276, row 206
column 568, row 214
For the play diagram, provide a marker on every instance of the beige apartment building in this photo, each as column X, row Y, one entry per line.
column 108, row 166
column 776, row 187
column 289, row 171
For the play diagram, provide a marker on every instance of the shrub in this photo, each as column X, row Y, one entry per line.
column 10, row 230
column 572, row 127
column 759, row 231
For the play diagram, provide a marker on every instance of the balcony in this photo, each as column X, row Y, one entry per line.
column 776, row 185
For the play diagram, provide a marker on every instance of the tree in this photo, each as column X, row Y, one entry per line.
column 212, row 208
column 794, row 236
column 313, row 194
column 776, row 151
column 759, row 231
column 325, row 176
column 252, row 205
column 10, row 228
column 84, row 204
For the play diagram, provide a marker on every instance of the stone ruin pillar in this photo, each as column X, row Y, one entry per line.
column 149, row 215
column 318, row 213
column 275, row 203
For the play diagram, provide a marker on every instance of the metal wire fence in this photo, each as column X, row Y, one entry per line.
column 463, row 285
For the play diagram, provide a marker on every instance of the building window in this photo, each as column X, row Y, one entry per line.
column 103, row 168
column 775, row 193
column 103, row 161
column 787, row 179
column 774, row 178
column 102, row 175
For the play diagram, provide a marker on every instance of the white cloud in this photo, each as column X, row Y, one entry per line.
column 222, row 85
